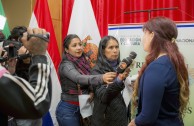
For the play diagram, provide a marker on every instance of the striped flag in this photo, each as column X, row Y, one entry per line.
column 83, row 23
column 6, row 31
column 41, row 18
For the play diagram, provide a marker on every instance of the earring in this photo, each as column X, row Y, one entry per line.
column 66, row 51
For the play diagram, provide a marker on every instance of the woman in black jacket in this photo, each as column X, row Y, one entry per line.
column 109, row 107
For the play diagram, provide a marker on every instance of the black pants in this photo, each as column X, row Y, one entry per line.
column 129, row 112
column 3, row 119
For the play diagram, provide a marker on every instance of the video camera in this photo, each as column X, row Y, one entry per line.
column 12, row 47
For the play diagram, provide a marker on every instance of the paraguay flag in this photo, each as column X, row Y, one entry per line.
column 41, row 18
column 83, row 23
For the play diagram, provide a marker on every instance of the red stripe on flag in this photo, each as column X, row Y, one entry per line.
column 42, row 13
column 41, row 18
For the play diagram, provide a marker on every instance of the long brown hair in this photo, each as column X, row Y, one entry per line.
column 164, row 41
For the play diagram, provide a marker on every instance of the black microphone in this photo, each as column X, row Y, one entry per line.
column 126, row 62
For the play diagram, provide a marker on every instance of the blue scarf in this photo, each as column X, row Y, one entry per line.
column 113, row 64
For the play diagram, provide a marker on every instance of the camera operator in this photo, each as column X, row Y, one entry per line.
column 22, row 68
column 27, row 99
column 23, row 64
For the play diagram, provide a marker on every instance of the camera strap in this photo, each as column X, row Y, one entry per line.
column 44, row 37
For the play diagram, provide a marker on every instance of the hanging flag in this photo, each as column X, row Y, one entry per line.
column 41, row 18
column 83, row 23
column 2, row 22
column 5, row 29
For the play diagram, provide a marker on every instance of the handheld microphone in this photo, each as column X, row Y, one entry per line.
column 126, row 62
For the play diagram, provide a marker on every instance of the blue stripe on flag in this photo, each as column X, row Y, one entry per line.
column 47, row 120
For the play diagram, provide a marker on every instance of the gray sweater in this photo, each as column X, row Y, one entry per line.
column 70, row 77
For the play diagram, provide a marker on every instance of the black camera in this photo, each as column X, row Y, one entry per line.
column 11, row 47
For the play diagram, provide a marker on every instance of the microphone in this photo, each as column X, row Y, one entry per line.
column 126, row 62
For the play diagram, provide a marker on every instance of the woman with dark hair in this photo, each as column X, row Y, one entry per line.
column 74, row 73
column 161, row 92
column 109, row 107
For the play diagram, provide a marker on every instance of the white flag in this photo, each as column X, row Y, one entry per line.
column 83, row 23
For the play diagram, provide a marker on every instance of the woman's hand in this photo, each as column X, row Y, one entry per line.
column 109, row 77
column 90, row 99
column 124, row 74
column 132, row 123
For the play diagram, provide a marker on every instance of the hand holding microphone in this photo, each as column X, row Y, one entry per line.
column 122, row 70
column 126, row 62
column 109, row 77
column 124, row 67
column 125, row 74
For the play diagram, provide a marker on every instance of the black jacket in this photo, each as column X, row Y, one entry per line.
column 109, row 107
column 26, row 99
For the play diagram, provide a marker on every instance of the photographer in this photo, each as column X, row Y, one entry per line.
column 23, row 63
column 21, row 68
column 28, row 99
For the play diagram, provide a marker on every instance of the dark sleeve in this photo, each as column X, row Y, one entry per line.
column 106, row 93
column 67, row 69
column 23, row 99
column 3, row 119
column 153, row 90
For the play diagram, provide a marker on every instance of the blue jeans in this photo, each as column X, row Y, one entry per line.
column 68, row 114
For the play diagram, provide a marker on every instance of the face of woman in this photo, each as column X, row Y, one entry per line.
column 112, row 50
column 75, row 48
column 147, row 38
